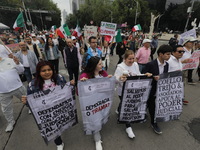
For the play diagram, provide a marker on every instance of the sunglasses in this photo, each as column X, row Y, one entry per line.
column 180, row 51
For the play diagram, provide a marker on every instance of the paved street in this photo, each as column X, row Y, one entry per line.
column 177, row 135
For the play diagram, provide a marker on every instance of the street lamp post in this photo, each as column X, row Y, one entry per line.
column 136, row 12
column 189, row 15
column 111, row 14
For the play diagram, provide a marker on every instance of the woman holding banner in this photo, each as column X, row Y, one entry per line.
column 127, row 68
column 45, row 79
column 94, row 70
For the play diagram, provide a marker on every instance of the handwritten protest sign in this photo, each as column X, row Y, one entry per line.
column 169, row 97
column 191, row 32
column 13, row 47
column 54, row 111
column 95, row 96
column 90, row 31
column 194, row 63
column 134, row 98
column 108, row 28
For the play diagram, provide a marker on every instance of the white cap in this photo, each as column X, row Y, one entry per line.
column 33, row 34
column 189, row 39
column 146, row 41
column 73, row 37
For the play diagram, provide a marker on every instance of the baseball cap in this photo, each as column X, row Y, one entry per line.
column 146, row 41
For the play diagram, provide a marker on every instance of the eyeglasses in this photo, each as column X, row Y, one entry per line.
column 180, row 51
column 93, row 42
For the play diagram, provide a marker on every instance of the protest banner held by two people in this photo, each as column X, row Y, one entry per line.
column 194, row 61
column 135, row 94
column 96, row 98
column 169, row 96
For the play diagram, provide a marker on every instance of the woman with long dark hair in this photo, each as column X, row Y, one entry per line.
column 52, row 53
column 46, row 78
column 94, row 70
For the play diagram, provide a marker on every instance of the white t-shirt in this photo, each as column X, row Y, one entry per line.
column 161, row 66
column 186, row 55
column 25, row 61
column 133, row 71
column 174, row 64
column 9, row 77
column 3, row 51
column 51, row 54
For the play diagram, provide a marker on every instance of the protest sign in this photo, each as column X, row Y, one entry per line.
column 194, row 63
column 54, row 111
column 90, row 31
column 135, row 94
column 191, row 32
column 169, row 97
column 95, row 96
column 108, row 28
column 14, row 47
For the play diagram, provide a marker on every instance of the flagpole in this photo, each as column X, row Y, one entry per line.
column 25, row 11
column 5, row 46
column 24, row 20
column 30, row 18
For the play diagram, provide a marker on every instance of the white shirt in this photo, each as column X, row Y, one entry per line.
column 55, row 41
column 3, row 51
column 25, row 61
column 51, row 54
column 174, row 64
column 161, row 66
column 186, row 55
column 36, row 42
column 77, row 46
column 94, row 53
column 133, row 71
column 9, row 78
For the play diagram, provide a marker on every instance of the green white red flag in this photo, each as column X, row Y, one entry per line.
column 64, row 31
column 19, row 22
column 136, row 28
column 77, row 31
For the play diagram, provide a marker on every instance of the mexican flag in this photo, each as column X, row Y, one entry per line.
column 136, row 28
column 77, row 31
column 19, row 22
column 53, row 28
column 118, row 37
column 63, row 31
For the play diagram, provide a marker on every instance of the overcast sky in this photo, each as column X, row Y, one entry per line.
column 63, row 4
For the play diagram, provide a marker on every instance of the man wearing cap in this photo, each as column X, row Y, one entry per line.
column 11, row 41
column 75, row 42
column 188, row 48
column 34, row 39
column 143, row 54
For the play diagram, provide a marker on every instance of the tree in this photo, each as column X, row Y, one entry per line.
column 8, row 16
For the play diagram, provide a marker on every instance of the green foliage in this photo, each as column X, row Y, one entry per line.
column 174, row 18
column 119, row 11
column 8, row 17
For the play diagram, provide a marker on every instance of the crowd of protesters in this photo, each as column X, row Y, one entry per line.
column 37, row 60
